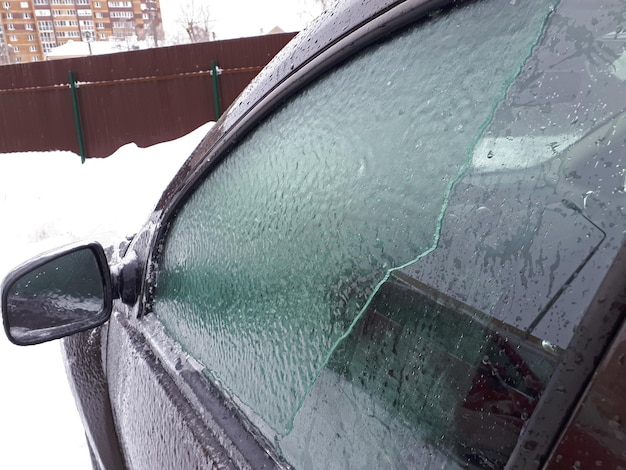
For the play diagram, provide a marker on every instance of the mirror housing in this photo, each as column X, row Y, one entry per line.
column 57, row 294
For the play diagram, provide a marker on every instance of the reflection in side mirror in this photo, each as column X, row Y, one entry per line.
column 57, row 294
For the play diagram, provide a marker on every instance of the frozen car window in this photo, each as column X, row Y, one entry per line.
column 544, row 194
column 335, row 273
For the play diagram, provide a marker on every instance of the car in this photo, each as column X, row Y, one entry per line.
column 401, row 247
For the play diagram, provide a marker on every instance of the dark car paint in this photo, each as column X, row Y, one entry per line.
column 180, row 383
column 85, row 363
column 83, row 358
column 597, row 430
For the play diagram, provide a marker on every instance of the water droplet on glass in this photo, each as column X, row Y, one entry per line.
column 547, row 346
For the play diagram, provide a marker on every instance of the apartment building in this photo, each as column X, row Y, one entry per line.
column 31, row 28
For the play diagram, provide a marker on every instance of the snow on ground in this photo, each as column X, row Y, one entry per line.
column 48, row 199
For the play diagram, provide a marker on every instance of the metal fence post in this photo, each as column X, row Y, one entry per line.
column 77, row 121
column 216, row 93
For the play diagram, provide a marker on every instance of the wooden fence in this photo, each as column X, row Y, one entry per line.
column 146, row 96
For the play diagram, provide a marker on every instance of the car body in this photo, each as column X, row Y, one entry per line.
column 401, row 247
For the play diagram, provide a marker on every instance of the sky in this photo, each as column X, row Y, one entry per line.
column 39, row 424
column 238, row 18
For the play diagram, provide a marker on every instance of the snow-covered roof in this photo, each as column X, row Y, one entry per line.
column 81, row 49
column 276, row 30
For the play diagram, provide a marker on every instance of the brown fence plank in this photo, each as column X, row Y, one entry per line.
column 146, row 96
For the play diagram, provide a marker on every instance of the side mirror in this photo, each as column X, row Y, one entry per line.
column 57, row 294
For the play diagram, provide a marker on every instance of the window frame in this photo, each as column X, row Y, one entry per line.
column 242, row 121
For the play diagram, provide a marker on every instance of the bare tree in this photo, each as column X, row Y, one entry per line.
column 195, row 19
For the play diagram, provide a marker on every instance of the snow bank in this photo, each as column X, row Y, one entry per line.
column 48, row 199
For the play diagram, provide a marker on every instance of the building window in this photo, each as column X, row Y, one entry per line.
column 123, row 25
column 96, row 5
column 103, row 36
column 29, row 27
column 11, row 27
column 27, row 16
column 24, row 4
column 13, row 38
column 31, row 37
column 18, row 60
column 98, row 14
column 42, row 13
column 9, row 16
column 16, row 49
column 64, row 12
column 35, row 59
column 40, row 2
column 100, row 25
column 65, row 23
column 121, row 14
column 6, row 5
column 83, row 12
column 33, row 48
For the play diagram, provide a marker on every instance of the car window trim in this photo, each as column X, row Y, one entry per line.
column 569, row 381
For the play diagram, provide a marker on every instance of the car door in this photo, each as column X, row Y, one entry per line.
column 379, row 265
